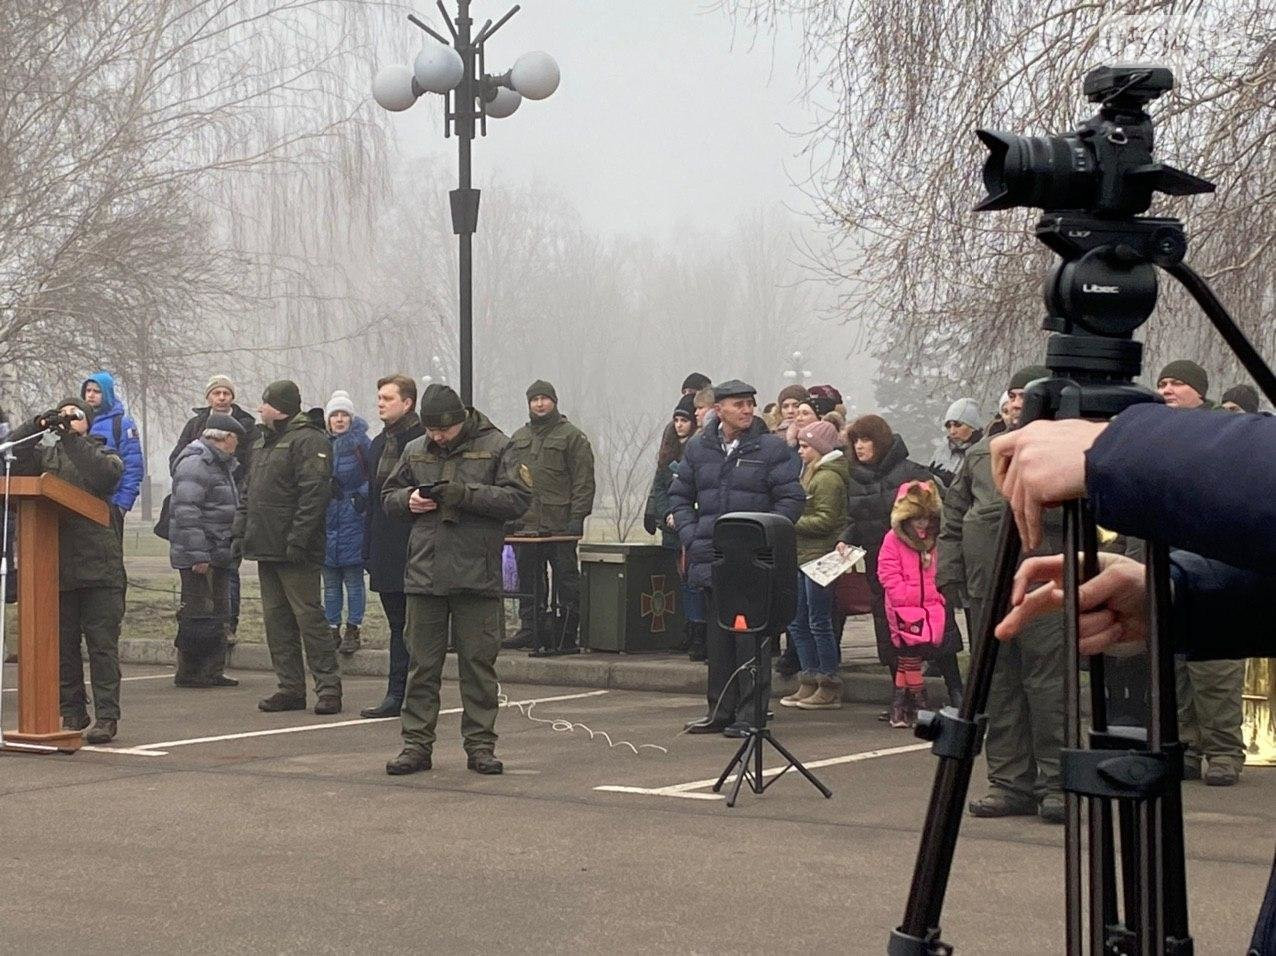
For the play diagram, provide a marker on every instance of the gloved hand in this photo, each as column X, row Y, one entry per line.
column 576, row 526
column 360, row 502
column 954, row 596
column 649, row 523
column 295, row 555
column 451, row 493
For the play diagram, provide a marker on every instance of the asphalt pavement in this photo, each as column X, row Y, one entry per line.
column 208, row 826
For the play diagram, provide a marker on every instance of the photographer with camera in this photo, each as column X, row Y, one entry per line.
column 90, row 563
column 457, row 484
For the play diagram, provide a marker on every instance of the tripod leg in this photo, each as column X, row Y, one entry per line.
column 952, row 778
column 1074, row 899
column 739, row 754
column 749, row 745
column 797, row 765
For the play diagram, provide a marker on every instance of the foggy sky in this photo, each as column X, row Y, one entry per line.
column 660, row 119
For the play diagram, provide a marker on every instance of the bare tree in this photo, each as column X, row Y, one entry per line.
column 622, row 441
column 894, row 165
column 133, row 132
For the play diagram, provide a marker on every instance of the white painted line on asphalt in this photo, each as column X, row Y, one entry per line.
column 683, row 790
column 14, row 690
column 154, row 750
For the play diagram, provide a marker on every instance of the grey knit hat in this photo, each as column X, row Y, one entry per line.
column 964, row 410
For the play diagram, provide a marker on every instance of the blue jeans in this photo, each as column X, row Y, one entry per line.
column 693, row 604
column 812, row 628
column 334, row 579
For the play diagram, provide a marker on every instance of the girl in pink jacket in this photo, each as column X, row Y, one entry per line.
column 914, row 607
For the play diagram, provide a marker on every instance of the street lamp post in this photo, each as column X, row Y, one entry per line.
column 797, row 374
column 456, row 69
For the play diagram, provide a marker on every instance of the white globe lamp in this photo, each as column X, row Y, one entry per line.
column 392, row 88
column 438, row 68
column 535, row 75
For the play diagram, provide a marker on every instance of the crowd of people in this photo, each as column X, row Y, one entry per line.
column 425, row 508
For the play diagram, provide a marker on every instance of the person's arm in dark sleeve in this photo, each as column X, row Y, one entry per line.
column 682, row 501
column 950, row 570
column 506, row 499
column 99, row 467
column 1220, row 611
column 187, row 436
column 1199, row 480
column 312, row 475
column 582, row 494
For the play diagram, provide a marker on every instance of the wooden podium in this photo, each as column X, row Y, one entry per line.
column 39, row 501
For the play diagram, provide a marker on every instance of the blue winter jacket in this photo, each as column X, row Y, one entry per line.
column 762, row 474
column 351, row 467
column 110, row 421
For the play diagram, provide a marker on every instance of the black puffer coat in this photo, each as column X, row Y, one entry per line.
column 762, row 474
column 385, row 539
column 202, row 508
column 870, row 496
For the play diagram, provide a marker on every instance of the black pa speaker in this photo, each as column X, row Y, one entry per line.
column 754, row 571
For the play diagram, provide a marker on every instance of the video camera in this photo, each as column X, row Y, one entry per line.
column 1104, row 166
column 56, row 420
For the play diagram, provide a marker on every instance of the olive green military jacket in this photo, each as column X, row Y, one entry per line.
column 282, row 515
column 561, row 464
column 457, row 548
column 90, row 555
column 973, row 509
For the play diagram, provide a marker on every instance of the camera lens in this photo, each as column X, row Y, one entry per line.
column 1046, row 172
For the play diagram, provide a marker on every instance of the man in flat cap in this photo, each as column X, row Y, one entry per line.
column 560, row 463
column 733, row 464
column 458, row 484
column 280, row 524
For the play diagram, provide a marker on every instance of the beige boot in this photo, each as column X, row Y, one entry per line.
column 827, row 696
column 808, row 684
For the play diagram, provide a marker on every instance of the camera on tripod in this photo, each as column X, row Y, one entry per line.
column 1104, row 166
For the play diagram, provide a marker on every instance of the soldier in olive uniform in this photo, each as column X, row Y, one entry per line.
column 561, row 463
column 1025, row 700
column 280, row 525
column 90, row 564
column 458, row 484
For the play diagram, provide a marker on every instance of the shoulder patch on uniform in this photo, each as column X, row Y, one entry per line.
column 525, row 475
column 132, row 433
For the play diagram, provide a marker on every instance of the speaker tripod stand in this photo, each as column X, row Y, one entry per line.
column 749, row 757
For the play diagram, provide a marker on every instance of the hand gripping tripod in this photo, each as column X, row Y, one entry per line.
column 1125, row 778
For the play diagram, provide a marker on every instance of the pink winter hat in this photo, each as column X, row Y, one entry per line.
column 822, row 436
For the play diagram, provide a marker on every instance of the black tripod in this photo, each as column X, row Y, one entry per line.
column 1127, row 778
column 749, row 756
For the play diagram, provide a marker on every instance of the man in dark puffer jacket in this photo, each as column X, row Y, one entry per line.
column 734, row 464
column 204, row 501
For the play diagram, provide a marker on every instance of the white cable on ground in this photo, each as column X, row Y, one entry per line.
column 564, row 726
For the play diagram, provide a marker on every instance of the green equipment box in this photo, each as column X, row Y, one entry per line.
column 630, row 598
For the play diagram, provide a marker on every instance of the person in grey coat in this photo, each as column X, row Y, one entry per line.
column 202, row 510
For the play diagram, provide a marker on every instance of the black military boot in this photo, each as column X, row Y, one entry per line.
column 77, row 721
column 484, row 762
column 102, row 732
column 328, row 704
column 410, row 760
column 279, row 701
